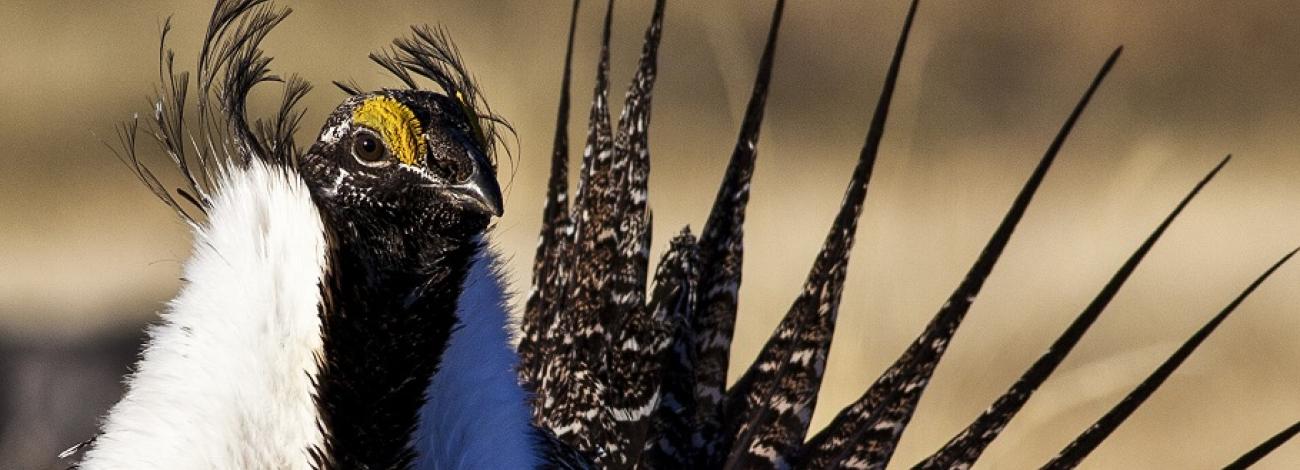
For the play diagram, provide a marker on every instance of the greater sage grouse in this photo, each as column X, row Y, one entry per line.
column 341, row 309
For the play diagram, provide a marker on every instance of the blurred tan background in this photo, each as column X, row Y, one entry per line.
column 87, row 256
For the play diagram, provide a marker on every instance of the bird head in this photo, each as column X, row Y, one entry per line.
column 405, row 163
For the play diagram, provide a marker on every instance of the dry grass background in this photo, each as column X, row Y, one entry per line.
column 86, row 254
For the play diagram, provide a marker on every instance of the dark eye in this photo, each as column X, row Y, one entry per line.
column 367, row 147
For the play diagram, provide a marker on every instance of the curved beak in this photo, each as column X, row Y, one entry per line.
column 481, row 189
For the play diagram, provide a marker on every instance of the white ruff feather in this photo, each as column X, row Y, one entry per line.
column 225, row 381
column 477, row 415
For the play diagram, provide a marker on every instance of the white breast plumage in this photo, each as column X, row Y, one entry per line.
column 225, row 380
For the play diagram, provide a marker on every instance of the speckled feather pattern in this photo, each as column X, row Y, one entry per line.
column 599, row 314
column 590, row 368
column 670, row 443
column 618, row 379
column 722, row 251
column 567, row 384
column 869, row 431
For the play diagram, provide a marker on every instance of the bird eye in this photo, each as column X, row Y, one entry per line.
column 367, row 148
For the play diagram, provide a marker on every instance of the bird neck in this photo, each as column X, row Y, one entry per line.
column 385, row 322
column 477, row 414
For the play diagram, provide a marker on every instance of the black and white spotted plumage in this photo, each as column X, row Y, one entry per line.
column 872, row 426
column 675, row 296
column 548, row 366
column 549, row 268
column 762, row 420
column 722, row 252
column 620, row 379
column 600, row 309
column 327, row 284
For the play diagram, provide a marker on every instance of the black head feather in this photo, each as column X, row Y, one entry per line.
column 404, row 185
column 230, row 64
column 405, row 182
column 431, row 54
column 402, row 166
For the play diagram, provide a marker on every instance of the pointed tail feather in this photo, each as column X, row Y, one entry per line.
column 563, row 402
column 632, row 384
column 636, row 339
column 592, row 180
column 630, row 176
column 550, row 261
column 722, row 249
column 605, row 317
column 869, row 429
column 1095, row 434
column 1265, row 448
column 595, row 229
column 600, row 139
column 966, row 447
column 769, row 409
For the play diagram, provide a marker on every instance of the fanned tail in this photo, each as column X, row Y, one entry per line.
column 637, row 382
column 768, row 410
column 966, row 447
column 600, row 313
column 870, row 428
